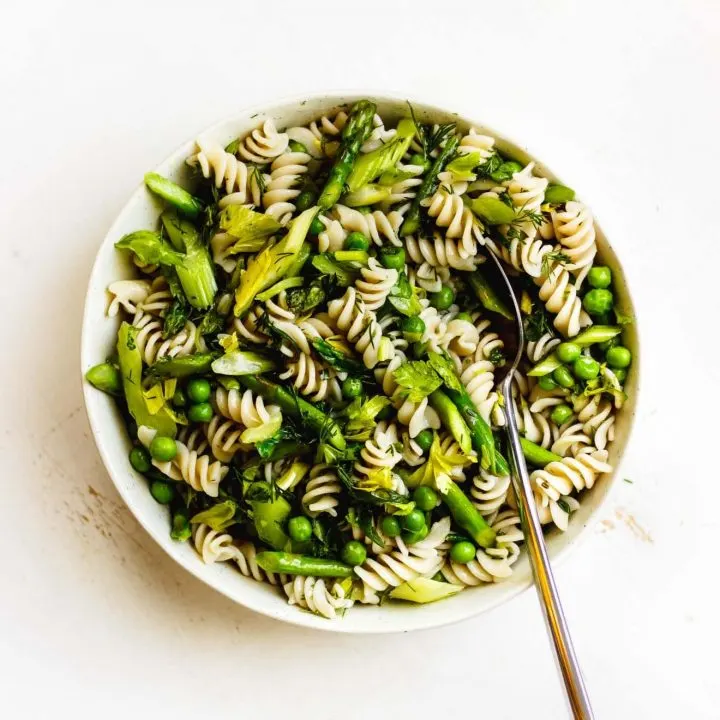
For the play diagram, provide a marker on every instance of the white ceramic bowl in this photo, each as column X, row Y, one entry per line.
column 99, row 336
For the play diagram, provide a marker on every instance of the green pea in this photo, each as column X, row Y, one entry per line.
column 354, row 553
column 568, row 352
column 600, row 276
column 411, row 537
column 299, row 528
column 586, row 368
column 181, row 529
column 547, row 383
column 393, row 258
column 198, row 390
column 295, row 146
column 425, row 440
column 316, row 226
column 443, row 298
column 390, row 526
column 163, row 448
column 200, row 413
column 418, row 159
column 598, row 301
column 462, row 552
column 464, row 316
column 351, row 387
column 356, row 241
column 620, row 374
column 413, row 328
column 413, row 521
column 305, row 200
column 179, row 400
column 162, row 492
column 561, row 414
column 140, row 459
column 425, row 498
column 563, row 377
column 105, row 377
column 618, row 357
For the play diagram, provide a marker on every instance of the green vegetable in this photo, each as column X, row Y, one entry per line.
column 568, row 352
column 462, row 552
column 411, row 224
column 105, row 377
column 413, row 521
column 618, row 357
column 504, row 171
column 561, row 414
column 140, row 459
column 620, row 374
column 162, row 492
column 298, row 262
column 297, row 407
column 452, row 419
column 250, row 228
column 181, row 530
column 390, row 526
column 546, row 366
column 306, row 199
column 344, row 273
column 174, row 194
column 352, row 256
column 425, row 439
column 467, row 517
column 425, row 498
column 175, row 318
column 303, row 300
column 272, row 263
column 362, row 417
column 404, row 297
column 563, row 377
column 558, row 194
column 367, row 195
column 356, row 241
column 198, row 390
column 418, row 159
column 424, row 590
column 492, row 210
column 357, row 129
column 242, row 362
column 283, row 562
column 269, row 518
column 196, row 273
column 181, row 367
column 163, row 448
column 596, row 334
column 412, row 537
column 354, row 553
column 295, row 146
column 600, row 276
column 598, row 301
column 416, row 380
column 277, row 288
column 392, row 257
column 351, row 388
column 200, row 412
column 547, row 383
column 484, row 292
column 219, row 517
column 534, row 454
column 586, row 368
column 371, row 165
column 316, row 226
column 443, row 298
column 130, row 361
column 300, row 528
column 179, row 400
column 150, row 248
column 337, row 359
column 463, row 165
column 413, row 328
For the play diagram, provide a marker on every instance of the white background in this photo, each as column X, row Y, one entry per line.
column 619, row 98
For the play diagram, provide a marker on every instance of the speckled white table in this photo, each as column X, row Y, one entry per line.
column 619, row 97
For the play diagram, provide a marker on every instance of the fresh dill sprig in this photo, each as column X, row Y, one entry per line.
column 551, row 259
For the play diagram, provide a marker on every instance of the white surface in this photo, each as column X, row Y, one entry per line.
column 619, row 98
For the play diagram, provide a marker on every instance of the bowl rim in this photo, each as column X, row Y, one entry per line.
column 305, row 619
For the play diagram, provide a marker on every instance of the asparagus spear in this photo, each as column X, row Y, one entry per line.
column 467, row 516
column 486, row 295
column 282, row 562
column 411, row 224
column 297, row 407
column 355, row 132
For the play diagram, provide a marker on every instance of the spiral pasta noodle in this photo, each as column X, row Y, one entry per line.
column 474, row 142
column 361, row 328
column 312, row 379
column 479, row 380
column 378, row 226
column 224, row 438
column 574, row 229
column 451, row 213
column 314, row 137
column 244, row 408
column 418, row 417
column 285, row 173
column 198, row 471
column 560, row 296
column 263, row 144
column 128, row 295
column 313, row 594
column 440, row 252
column 321, row 491
column 154, row 346
column 375, row 284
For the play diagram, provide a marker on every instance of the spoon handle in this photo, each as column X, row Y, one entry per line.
column 544, row 580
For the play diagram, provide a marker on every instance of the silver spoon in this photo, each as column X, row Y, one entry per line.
column 532, row 529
